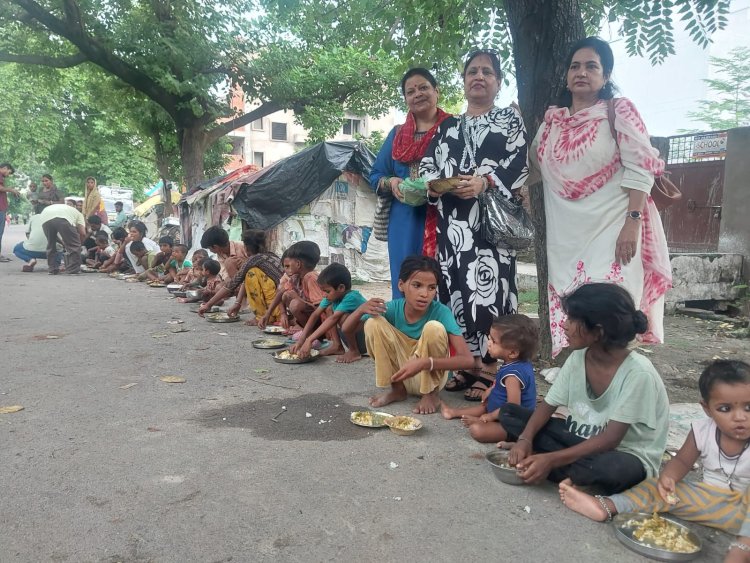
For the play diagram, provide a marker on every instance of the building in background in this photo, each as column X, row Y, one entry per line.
column 277, row 136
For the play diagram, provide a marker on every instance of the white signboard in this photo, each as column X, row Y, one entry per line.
column 710, row 145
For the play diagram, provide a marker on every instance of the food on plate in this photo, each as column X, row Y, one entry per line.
column 369, row 418
column 661, row 533
column 403, row 423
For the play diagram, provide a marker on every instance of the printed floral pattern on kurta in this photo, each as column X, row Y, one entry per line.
column 587, row 178
column 479, row 280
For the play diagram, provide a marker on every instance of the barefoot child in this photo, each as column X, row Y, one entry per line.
column 103, row 251
column 157, row 272
column 116, row 262
column 616, row 431
column 722, row 499
column 192, row 278
column 145, row 259
column 212, row 279
column 340, row 301
column 410, row 338
column 298, row 294
column 513, row 340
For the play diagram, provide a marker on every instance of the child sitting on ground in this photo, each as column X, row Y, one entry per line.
column 116, row 263
column 721, row 500
column 163, row 257
column 340, row 301
column 177, row 264
column 102, row 251
column 410, row 339
column 211, row 278
column 145, row 259
column 298, row 294
column 513, row 340
column 191, row 278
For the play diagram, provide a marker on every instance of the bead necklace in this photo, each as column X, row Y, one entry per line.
column 730, row 477
column 471, row 145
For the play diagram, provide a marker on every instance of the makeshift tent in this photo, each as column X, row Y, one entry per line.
column 297, row 180
column 319, row 194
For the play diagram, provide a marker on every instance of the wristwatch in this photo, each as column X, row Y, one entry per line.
column 635, row 215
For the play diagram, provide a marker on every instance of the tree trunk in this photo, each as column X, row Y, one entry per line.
column 193, row 143
column 542, row 32
column 162, row 166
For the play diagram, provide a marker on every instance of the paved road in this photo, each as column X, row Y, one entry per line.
column 93, row 470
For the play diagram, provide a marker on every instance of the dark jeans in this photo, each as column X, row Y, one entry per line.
column 611, row 472
column 71, row 242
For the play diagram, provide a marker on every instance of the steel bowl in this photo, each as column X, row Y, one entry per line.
column 173, row 287
column 623, row 525
column 498, row 461
column 194, row 293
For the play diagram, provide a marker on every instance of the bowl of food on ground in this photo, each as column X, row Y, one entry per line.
column 194, row 293
column 656, row 536
column 273, row 329
column 403, row 425
column 173, row 287
column 498, row 462
column 370, row 419
column 288, row 357
column 221, row 317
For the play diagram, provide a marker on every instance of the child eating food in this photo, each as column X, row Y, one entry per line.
column 513, row 340
column 340, row 301
column 720, row 441
column 410, row 338
column 616, row 428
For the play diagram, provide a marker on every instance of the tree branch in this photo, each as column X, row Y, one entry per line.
column 55, row 62
column 237, row 122
column 98, row 54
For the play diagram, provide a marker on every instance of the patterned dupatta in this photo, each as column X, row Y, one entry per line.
column 569, row 154
column 408, row 150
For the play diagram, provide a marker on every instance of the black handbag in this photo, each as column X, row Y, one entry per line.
column 504, row 222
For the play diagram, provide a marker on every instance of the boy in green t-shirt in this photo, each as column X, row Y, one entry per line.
column 340, row 301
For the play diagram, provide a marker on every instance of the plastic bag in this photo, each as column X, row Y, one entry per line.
column 505, row 222
column 414, row 192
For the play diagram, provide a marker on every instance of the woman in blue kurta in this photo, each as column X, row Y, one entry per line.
column 410, row 230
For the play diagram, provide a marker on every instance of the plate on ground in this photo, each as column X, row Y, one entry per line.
column 157, row 284
column 274, row 330
column 370, row 419
column 88, row 270
column 268, row 344
column 286, row 357
column 221, row 318
column 656, row 536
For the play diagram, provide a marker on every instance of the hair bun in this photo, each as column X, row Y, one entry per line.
column 640, row 322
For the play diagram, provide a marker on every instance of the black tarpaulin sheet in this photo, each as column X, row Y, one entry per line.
column 295, row 181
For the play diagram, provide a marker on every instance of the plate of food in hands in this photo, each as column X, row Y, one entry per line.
column 444, row 185
column 221, row 317
column 403, row 425
column 273, row 329
column 268, row 344
column 287, row 357
column 656, row 536
column 498, row 461
column 369, row 419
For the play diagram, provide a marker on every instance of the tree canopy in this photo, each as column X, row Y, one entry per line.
column 730, row 89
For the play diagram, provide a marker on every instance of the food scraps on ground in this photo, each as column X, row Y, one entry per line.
column 10, row 409
column 172, row 379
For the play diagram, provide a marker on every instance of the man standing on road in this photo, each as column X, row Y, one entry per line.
column 6, row 170
column 120, row 218
column 68, row 223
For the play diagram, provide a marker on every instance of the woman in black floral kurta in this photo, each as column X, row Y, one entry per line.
column 486, row 147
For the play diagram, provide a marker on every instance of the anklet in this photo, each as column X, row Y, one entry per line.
column 739, row 545
column 600, row 498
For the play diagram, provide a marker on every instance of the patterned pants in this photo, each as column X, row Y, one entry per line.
column 702, row 503
column 390, row 349
column 260, row 291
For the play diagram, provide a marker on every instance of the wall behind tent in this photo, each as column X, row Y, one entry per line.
column 340, row 222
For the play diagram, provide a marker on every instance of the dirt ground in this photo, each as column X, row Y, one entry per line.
column 690, row 344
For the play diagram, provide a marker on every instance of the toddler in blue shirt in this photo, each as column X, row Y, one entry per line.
column 513, row 340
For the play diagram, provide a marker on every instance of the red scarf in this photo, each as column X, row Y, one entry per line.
column 405, row 149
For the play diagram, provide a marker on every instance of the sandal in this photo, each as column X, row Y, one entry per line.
column 461, row 380
column 481, row 384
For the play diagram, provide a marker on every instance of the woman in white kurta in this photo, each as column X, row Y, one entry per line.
column 602, row 224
